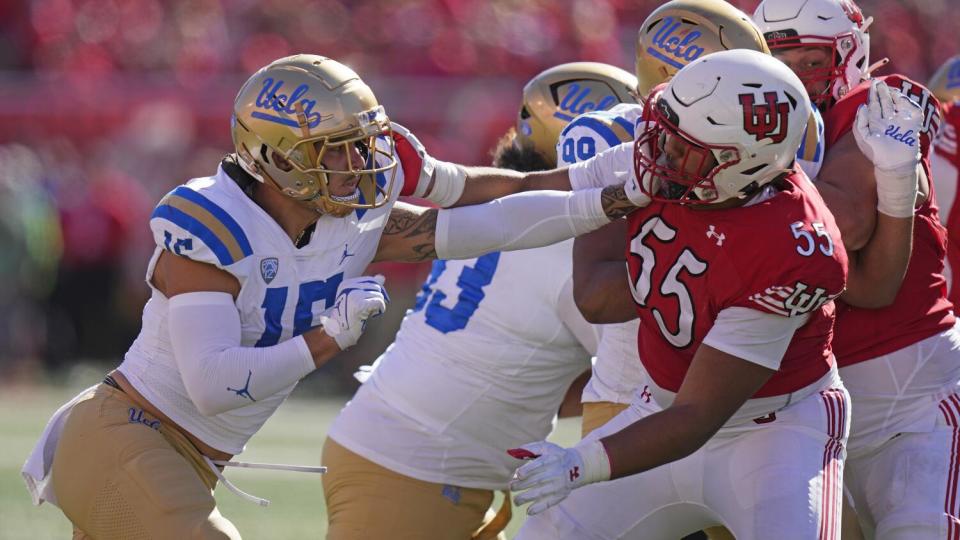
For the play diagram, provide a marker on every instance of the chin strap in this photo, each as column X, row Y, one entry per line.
column 874, row 66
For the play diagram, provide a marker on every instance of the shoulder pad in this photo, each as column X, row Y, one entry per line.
column 191, row 225
column 592, row 133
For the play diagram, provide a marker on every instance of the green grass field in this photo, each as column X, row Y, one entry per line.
column 294, row 435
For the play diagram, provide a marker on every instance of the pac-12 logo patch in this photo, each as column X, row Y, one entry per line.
column 269, row 268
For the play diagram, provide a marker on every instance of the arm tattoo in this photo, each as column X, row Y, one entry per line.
column 416, row 232
column 615, row 203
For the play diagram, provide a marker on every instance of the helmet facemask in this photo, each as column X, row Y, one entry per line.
column 301, row 174
column 688, row 180
column 840, row 51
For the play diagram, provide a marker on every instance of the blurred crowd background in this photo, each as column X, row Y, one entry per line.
column 105, row 105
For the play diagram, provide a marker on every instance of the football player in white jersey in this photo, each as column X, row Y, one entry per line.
column 256, row 281
column 479, row 365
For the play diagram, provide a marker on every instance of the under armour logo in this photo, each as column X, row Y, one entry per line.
column 765, row 121
column 645, row 395
column 245, row 391
column 712, row 233
column 574, row 473
column 345, row 254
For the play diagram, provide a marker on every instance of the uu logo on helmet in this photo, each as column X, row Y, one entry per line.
column 270, row 99
column 673, row 48
column 575, row 102
column 768, row 120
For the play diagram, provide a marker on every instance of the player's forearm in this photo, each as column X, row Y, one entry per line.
column 658, row 439
column 217, row 372
column 855, row 218
column 877, row 271
column 322, row 347
column 526, row 221
column 484, row 184
column 603, row 296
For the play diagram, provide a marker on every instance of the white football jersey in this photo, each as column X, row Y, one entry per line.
column 480, row 364
column 283, row 290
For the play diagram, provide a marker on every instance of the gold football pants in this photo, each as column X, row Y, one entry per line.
column 368, row 502
column 119, row 474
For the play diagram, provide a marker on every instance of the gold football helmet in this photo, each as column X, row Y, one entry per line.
column 945, row 83
column 558, row 95
column 680, row 31
column 289, row 114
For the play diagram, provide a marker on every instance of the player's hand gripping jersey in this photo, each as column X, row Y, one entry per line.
column 283, row 292
column 921, row 308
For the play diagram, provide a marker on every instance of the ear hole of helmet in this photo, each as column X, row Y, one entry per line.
column 281, row 162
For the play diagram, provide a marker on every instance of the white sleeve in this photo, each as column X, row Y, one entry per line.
column 205, row 333
column 611, row 167
column 521, row 221
column 587, row 334
column 755, row 336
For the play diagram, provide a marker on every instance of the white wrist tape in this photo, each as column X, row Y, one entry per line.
column 897, row 190
column 449, row 180
column 522, row 221
column 205, row 333
column 596, row 461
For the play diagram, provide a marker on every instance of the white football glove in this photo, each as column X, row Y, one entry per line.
column 887, row 131
column 556, row 471
column 632, row 186
column 358, row 299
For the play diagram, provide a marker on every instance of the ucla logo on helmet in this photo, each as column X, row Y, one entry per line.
column 271, row 99
column 677, row 50
column 577, row 101
column 269, row 268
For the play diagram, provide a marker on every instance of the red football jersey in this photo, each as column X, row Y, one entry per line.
column 921, row 308
column 945, row 146
column 782, row 256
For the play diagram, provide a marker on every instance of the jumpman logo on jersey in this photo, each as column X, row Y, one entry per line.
column 645, row 395
column 574, row 473
column 345, row 254
column 712, row 233
column 245, row 391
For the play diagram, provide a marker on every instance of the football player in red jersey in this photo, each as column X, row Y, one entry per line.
column 732, row 270
column 900, row 362
column 945, row 164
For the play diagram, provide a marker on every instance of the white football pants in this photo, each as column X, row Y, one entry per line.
column 904, row 460
column 773, row 477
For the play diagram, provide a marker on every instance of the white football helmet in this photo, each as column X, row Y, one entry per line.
column 744, row 109
column 836, row 24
